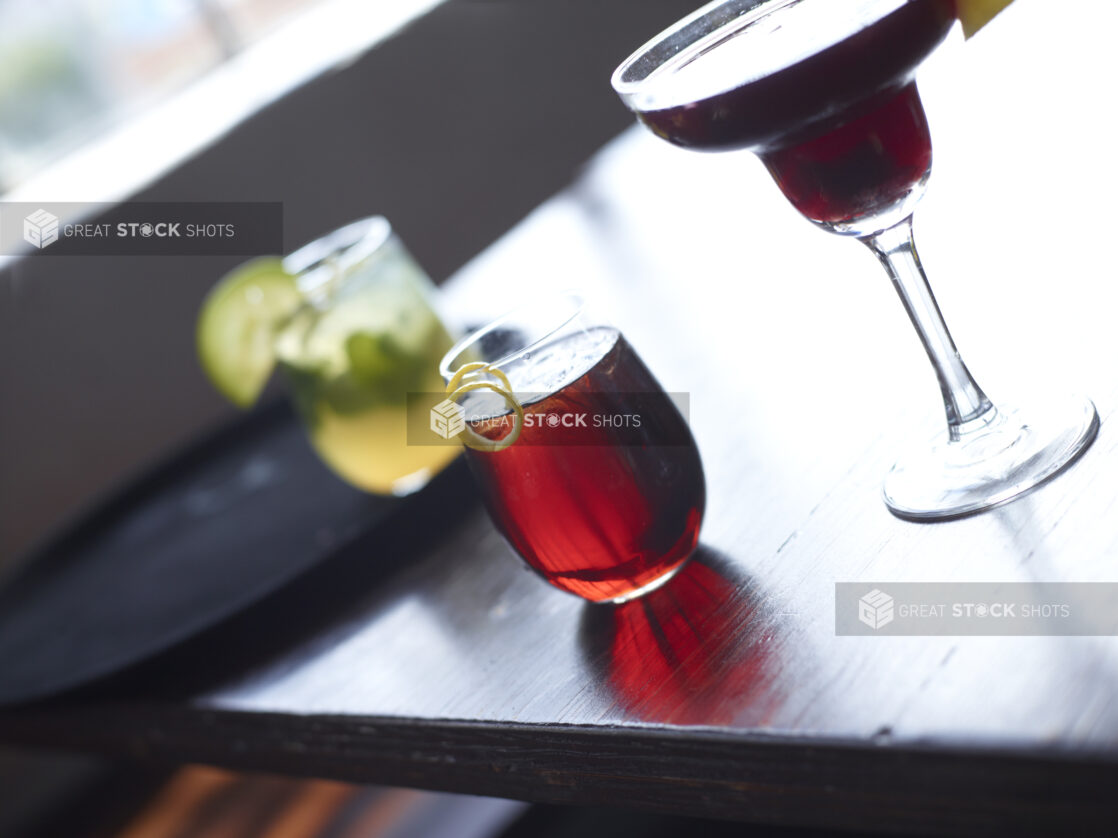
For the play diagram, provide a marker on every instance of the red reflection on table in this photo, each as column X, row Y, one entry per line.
column 692, row 652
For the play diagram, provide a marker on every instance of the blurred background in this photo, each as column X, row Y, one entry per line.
column 201, row 802
column 73, row 70
column 454, row 119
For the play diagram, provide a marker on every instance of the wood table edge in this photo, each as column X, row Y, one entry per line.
column 759, row 777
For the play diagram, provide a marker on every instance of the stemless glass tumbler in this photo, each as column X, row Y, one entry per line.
column 594, row 478
column 366, row 336
column 823, row 92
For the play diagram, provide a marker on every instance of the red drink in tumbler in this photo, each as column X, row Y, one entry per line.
column 604, row 506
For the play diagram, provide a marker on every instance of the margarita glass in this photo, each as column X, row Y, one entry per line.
column 823, row 92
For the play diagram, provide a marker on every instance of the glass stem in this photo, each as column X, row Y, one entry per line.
column 963, row 400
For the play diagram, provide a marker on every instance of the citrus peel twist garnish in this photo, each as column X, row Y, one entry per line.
column 476, row 368
column 460, row 384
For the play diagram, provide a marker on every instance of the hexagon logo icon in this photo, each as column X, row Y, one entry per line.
column 875, row 609
column 40, row 228
column 448, row 419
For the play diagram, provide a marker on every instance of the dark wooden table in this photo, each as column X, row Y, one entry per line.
column 427, row 657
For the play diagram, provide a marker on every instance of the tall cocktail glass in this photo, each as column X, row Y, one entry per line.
column 823, row 92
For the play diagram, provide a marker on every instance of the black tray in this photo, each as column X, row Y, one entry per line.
column 212, row 530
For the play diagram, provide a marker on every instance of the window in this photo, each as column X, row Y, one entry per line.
column 73, row 71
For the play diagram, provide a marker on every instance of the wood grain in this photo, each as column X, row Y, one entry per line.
column 427, row 657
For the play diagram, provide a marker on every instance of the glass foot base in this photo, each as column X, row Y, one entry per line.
column 1005, row 456
column 658, row 582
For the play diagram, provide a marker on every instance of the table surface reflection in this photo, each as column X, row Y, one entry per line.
column 430, row 658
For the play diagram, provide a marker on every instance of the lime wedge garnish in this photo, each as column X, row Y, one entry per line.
column 977, row 13
column 237, row 326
